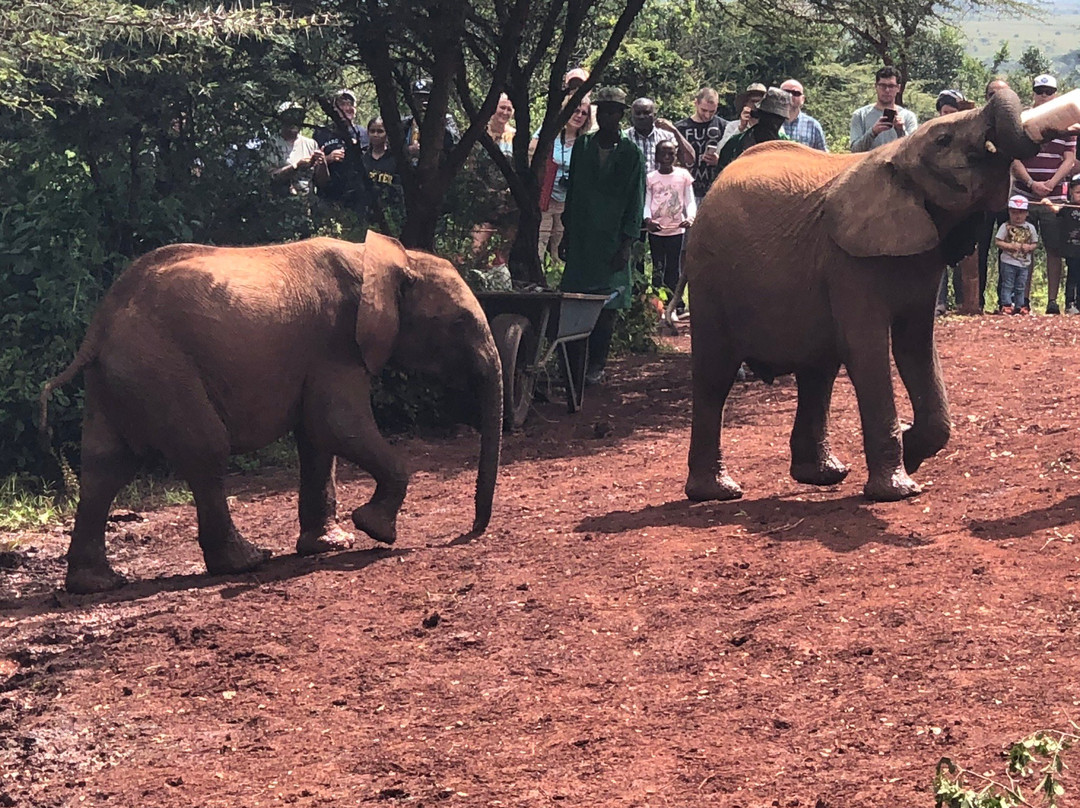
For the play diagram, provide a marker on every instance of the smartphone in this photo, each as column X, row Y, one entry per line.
column 888, row 114
column 711, row 148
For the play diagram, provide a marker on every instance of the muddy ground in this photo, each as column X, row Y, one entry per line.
column 606, row 642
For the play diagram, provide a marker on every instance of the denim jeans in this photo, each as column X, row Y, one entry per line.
column 1013, row 283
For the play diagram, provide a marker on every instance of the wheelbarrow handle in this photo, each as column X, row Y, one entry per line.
column 611, row 298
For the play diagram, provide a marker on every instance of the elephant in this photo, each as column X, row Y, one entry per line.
column 802, row 262
column 201, row 352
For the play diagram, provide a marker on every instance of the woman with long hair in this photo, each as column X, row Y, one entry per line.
column 553, row 196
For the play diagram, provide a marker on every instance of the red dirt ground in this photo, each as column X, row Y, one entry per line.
column 606, row 642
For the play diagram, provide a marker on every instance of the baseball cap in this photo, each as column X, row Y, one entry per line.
column 757, row 87
column 1045, row 80
column 290, row 108
column 579, row 74
column 421, row 87
column 1018, row 202
column 345, row 93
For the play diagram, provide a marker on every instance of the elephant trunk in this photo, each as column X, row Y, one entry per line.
column 1010, row 136
column 491, row 423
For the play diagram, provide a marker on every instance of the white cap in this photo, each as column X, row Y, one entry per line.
column 1018, row 202
column 1045, row 80
column 345, row 92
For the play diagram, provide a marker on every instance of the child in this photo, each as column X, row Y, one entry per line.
column 1070, row 230
column 1017, row 240
column 669, row 209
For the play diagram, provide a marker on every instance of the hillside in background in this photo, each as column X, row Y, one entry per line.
column 1054, row 31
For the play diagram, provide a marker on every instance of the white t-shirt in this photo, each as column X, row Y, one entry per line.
column 669, row 198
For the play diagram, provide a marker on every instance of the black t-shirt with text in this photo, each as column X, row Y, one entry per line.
column 701, row 134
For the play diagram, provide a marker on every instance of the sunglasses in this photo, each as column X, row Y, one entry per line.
column 794, row 92
column 1044, row 91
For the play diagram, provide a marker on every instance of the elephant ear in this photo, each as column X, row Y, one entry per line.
column 871, row 211
column 385, row 272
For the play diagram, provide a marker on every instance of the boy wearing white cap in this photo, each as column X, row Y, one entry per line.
column 1017, row 240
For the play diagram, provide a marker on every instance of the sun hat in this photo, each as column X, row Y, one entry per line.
column 610, row 95
column 1018, row 202
column 580, row 74
column 776, row 101
column 1045, row 80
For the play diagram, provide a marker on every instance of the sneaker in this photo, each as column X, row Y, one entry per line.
column 1026, row 310
column 1072, row 309
column 1007, row 310
column 594, row 377
column 1052, row 307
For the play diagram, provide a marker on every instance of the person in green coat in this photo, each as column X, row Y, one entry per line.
column 605, row 200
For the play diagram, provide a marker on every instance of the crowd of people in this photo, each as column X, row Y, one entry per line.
column 608, row 185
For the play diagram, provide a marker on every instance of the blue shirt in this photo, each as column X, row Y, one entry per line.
column 805, row 129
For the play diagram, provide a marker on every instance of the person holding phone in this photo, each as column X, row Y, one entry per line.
column 703, row 131
column 883, row 121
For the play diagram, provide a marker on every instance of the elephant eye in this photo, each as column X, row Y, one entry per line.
column 944, row 139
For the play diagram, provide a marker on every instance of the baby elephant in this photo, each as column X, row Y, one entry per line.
column 202, row 352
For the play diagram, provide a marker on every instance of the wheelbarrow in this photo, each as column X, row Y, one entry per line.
column 529, row 329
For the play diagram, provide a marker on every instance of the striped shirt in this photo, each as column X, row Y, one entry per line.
column 647, row 144
column 805, row 129
column 1044, row 165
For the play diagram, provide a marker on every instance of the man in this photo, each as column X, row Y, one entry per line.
column 605, row 198
column 648, row 130
column 769, row 117
column 799, row 126
column 422, row 93
column 965, row 278
column 338, row 173
column 743, row 104
column 1041, row 179
column 883, row 121
column 294, row 154
column 993, row 219
column 703, row 131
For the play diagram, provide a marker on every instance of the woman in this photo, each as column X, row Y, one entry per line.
column 381, row 168
column 553, row 199
column 501, row 217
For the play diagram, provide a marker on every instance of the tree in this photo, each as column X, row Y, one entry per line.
column 890, row 30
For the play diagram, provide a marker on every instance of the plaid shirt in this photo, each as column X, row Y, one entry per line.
column 805, row 129
column 648, row 143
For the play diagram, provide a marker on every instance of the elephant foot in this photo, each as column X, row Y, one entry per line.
column 88, row 579
column 721, row 487
column 313, row 543
column 827, row 471
column 891, row 489
column 376, row 523
column 235, row 555
column 921, row 443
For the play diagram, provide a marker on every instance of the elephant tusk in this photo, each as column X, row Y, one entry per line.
column 990, row 147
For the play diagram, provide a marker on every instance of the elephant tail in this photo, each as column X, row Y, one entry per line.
column 87, row 353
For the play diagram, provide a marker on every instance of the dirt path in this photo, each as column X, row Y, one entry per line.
column 606, row 643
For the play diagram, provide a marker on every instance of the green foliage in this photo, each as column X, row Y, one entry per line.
column 23, row 506
column 1033, row 62
column 649, row 68
column 1040, row 755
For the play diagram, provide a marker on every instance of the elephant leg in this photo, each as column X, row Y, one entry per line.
column 196, row 443
column 871, row 374
column 714, row 371
column 338, row 416
column 318, row 501
column 812, row 460
column 917, row 361
column 107, row 466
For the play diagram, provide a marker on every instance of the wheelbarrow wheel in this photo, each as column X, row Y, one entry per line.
column 516, row 341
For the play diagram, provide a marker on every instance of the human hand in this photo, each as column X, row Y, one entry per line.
column 686, row 223
column 665, row 124
column 882, row 125
column 652, row 225
column 710, row 157
column 1041, row 188
column 898, row 125
column 317, row 157
column 413, row 149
